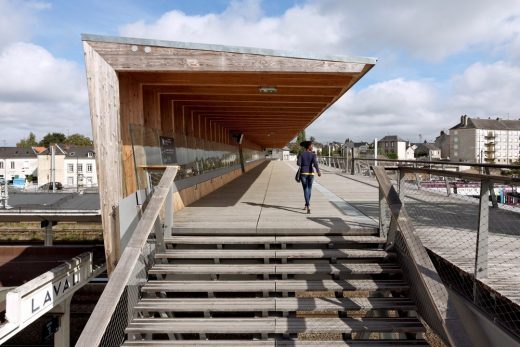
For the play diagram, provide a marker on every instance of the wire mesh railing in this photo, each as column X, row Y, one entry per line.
column 468, row 217
column 114, row 310
column 427, row 289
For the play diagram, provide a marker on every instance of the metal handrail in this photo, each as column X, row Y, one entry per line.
column 112, row 296
column 442, row 162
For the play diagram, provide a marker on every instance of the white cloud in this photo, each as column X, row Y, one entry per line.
column 431, row 31
column 40, row 93
column 397, row 107
column 299, row 28
column 13, row 23
column 488, row 90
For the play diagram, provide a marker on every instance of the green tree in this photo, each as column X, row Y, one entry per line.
column 30, row 141
column 52, row 138
column 78, row 140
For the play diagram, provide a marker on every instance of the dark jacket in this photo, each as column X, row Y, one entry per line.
column 308, row 160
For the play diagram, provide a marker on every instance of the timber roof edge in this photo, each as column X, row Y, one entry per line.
column 229, row 49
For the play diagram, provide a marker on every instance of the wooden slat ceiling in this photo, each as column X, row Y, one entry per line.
column 234, row 100
column 221, row 85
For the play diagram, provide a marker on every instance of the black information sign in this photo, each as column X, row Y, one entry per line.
column 168, row 150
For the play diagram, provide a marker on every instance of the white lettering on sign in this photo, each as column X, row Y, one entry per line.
column 40, row 295
column 48, row 295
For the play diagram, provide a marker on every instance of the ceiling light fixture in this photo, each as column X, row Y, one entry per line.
column 268, row 90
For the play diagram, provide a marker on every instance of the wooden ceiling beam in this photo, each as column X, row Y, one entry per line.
column 243, row 104
column 267, row 98
column 242, row 90
column 243, row 79
column 246, row 109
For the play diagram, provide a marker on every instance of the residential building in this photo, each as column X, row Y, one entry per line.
column 75, row 166
column 485, row 140
column 427, row 151
column 18, row 162
column 393, row 144
column 281, row 154
column 443, row 142
column 410, row 152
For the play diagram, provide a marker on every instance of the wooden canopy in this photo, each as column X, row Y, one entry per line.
column 202, row 91
column 267, row 95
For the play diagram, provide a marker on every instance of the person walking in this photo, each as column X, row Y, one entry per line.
column 307, row 161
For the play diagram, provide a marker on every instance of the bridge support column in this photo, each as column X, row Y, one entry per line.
column 62, row 336
column 48, row 236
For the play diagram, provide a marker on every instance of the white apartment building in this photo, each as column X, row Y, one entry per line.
column 74, row 166
column 485, row 140
column 17, row 162
column 393, row 144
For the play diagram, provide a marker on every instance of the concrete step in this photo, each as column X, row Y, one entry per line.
column 273, row 254
column 154, row 286
column 259, row 269
column 261, row 240
column 271, row 325
column 347, row 231
column 275, row 343
column 272, row 304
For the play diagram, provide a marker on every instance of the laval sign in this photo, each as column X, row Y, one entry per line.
column 31, row 300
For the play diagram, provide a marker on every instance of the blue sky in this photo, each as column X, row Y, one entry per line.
column 438, row 59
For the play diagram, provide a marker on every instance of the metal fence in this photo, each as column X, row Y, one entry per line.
column 468, row 217
column 114, row 310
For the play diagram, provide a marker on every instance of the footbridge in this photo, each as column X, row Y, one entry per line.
column 207, row 243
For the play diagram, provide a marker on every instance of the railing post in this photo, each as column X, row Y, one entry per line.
column 352, row 168
column 384, row 221
column 491, row 190
column 481, row 252
column 401, row 184
column 167, row 224
column 417, row 181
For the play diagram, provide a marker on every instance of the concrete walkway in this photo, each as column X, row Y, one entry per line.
column 267, row 200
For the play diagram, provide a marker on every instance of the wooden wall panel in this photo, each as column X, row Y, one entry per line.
column 123, row 58
column 103, row 86
column 166, row 110
column 189, row 195
column 131, row 113
column 151, row 109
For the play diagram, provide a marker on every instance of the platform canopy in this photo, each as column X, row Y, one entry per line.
column 203, row 96
column 267, row 95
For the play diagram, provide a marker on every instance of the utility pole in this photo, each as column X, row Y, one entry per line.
column 53, row 168
column 375, row 151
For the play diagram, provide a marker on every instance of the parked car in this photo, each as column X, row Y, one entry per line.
column 48, row 186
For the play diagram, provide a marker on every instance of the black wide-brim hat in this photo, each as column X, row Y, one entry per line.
column 305, row 144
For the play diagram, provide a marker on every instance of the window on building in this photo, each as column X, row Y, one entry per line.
column 80, row 167
column 89, row 167
column 70, row 181
column 12, row 165
column 90, row 154
column 1, row 164
column 70, row 168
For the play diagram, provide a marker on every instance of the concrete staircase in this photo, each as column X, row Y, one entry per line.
column 337, row 289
